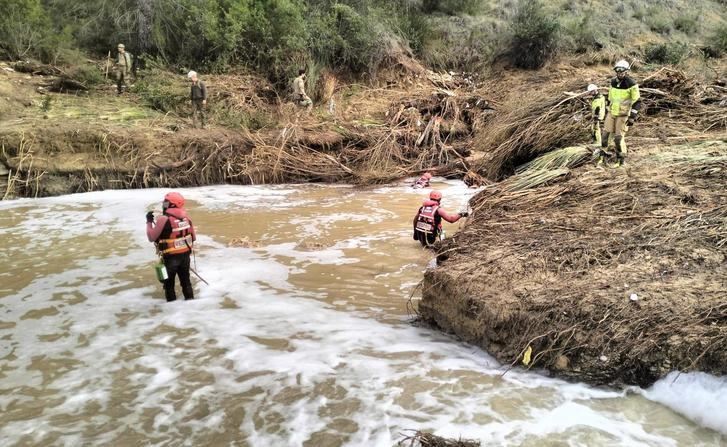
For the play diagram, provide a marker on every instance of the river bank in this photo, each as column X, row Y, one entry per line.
column 612, row 277
column 77, row 141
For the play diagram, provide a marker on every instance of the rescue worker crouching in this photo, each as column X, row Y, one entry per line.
column 299, row 95
column 174, row 236
column 428, row 221
column 624, row 103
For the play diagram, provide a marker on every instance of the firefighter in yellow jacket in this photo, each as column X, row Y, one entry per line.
column 598, row 113
column 624, row 103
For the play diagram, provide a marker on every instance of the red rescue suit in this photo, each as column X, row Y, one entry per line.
column 173, row 232
column 422, row 182
column 428, row 222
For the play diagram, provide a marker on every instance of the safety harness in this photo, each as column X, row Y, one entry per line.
column 179, row 239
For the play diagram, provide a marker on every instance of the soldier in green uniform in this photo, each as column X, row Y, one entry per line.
column 299, row 95
column 122, row 66
column 198, row 95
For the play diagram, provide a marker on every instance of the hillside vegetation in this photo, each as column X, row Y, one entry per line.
column 359, row 37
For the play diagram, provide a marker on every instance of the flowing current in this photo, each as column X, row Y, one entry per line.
column 302, row 337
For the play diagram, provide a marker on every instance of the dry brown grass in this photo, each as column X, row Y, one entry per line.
column 552, row 265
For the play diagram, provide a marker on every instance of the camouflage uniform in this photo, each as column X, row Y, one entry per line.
column 299, row 95
column 123, row 69
column 198, row 94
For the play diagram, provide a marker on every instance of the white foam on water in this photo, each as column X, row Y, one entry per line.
column 293, row 364
column 700, row 397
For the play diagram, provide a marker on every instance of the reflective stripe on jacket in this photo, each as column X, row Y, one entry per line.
column 177, row 238
column 623, row 95
column 427, row 221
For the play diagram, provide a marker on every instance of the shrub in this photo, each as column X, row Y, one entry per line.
column 458, row 43
column 639, row 13
column 239, row 119
column 87, row 74
column 583, row 34
column 666, row 53
column 24, row 26
column 687, row 24
column 344, row 37
column 452, row 7
column 718, row 40
column 534, row 36
column 160, row 92
column 658, row 22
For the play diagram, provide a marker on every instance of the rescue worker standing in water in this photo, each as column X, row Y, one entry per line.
column 174, row 236
column 428, row 221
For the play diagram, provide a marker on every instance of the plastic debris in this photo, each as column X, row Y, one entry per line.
column 526, row 356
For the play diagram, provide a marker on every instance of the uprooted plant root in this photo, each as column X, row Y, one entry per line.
column 423, row 439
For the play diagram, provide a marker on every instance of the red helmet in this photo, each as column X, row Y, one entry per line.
column 174, row 198
column 427, row 175
column 435, row 195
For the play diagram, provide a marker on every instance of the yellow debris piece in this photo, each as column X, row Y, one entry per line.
column 526, row 356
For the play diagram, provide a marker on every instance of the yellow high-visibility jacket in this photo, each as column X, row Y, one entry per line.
column 598, row 107
column 623, row 96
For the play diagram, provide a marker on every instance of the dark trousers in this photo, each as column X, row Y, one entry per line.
column 198, row 113
column 178, row 265
column 120, row 81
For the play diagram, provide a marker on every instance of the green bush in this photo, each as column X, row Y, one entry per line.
column 452, row 7
column 161, row 92
column 666, row 53
column 534, row 35
column 582, row 34
column 461, row 44
column 658, row 21
column 687, row 24
column 236, row 119
column 718, row 40
column 344, row 37
column 87, row 74
column 24, row 29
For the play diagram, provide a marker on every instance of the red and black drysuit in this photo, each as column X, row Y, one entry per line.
column 174, row 235
column 428, row 222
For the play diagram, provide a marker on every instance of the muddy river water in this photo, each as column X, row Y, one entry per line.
column 302, row 337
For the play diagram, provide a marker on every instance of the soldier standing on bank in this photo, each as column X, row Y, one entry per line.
column 299, row 95
column 198, row 94
column 122, row 66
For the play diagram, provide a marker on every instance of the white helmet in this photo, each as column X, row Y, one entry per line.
column 592, row 88
column 622, row 64
column 191, row 74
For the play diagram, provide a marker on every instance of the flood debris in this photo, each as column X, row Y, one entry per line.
column 609, row 276
column 424, row 439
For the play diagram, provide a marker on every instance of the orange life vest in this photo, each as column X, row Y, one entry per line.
column 179, row 239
